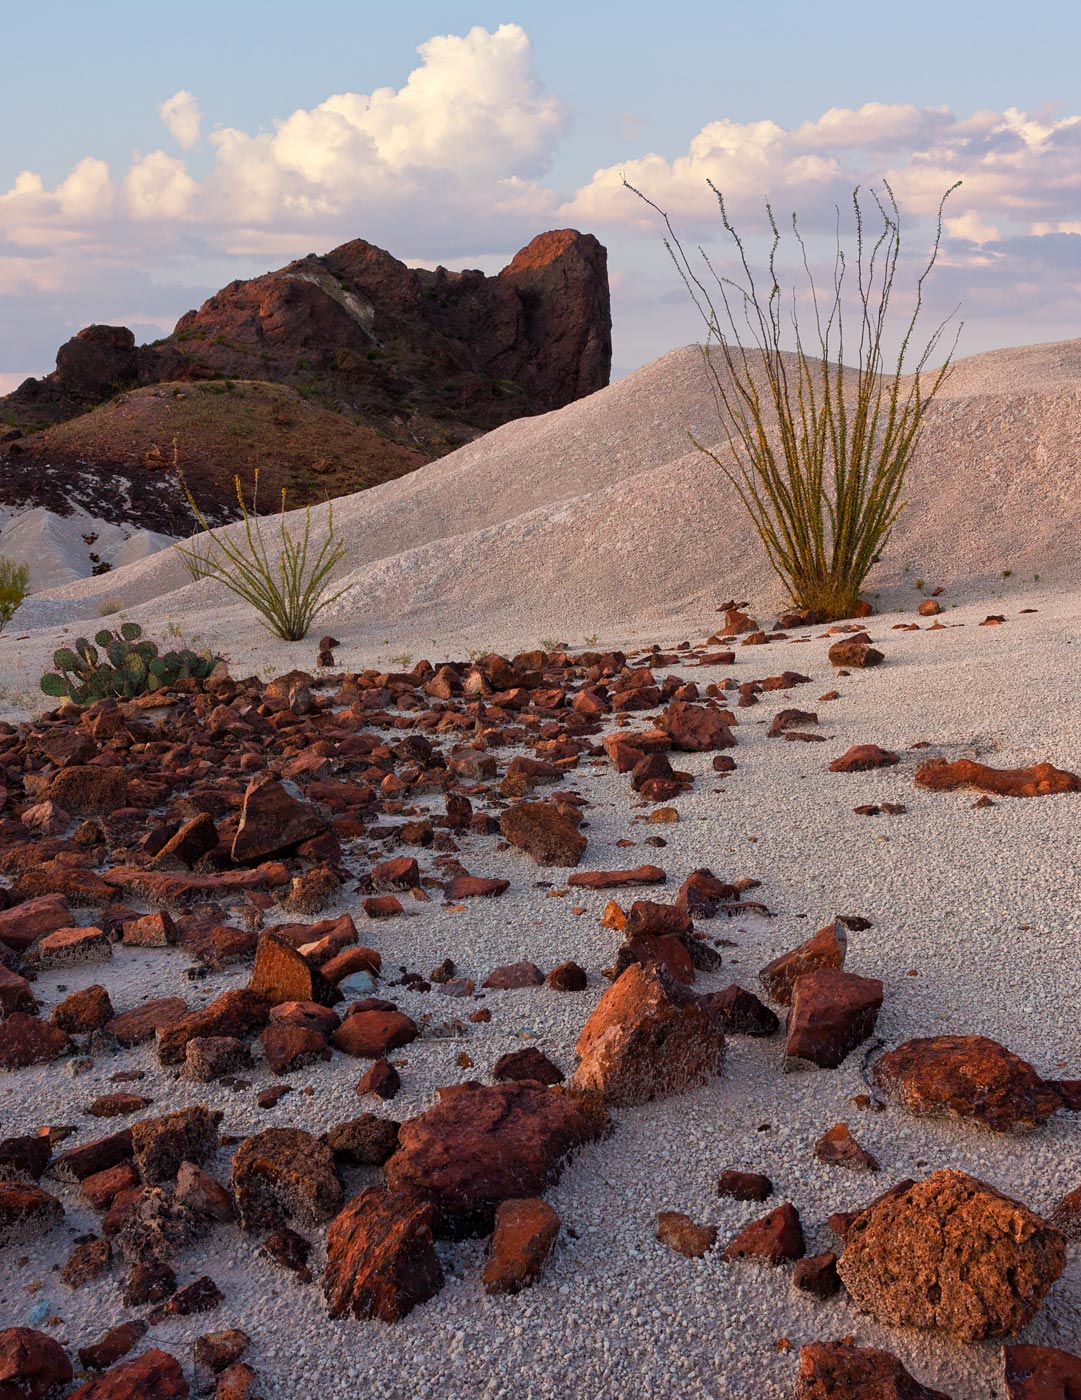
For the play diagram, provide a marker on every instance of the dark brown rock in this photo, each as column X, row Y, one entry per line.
column 827, row 948
column 1040, row 1373
column 26, row 1212
column 679, row 1232
column 159, row 1145
column 542, row 831
column 838, row 1371
column 284, row 1174
column 366, row 1140
column 515, row 976
column 530, row 1063
column 838, row 1148
column 567, row 977
column 777, row 1238
column 744, row 1186
column 32, row 1365
column 112, row 1345
column 817, row 1275
column 740, row 1012
column 272, row 822
column 287, row 1048
column 235, row 1013
column 25, row 1040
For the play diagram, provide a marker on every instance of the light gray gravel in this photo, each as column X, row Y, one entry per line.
column 981, row 905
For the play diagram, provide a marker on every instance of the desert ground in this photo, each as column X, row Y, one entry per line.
column 598, row 529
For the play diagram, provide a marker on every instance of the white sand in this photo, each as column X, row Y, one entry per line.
column 982, row 905
column 57, row 549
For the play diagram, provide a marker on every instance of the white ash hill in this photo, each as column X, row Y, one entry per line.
column 602, row 518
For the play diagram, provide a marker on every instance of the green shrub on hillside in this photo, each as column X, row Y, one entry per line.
column 14, row 586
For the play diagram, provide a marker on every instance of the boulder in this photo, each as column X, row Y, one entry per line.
column 839, row 1371
column 648, row 1036
column 159, row 1145
column 952, row 1254
column 381, row 1260
column 25, row 1041
column 32, row 1365
column 281, row 974
column 153, row 1376
column 525, row 1232
column 1040, row 1373
column 831, row 1013
column 284, row 1174
column 479, row 1146
column 966, row 1076
column 695, row 728
column 272, row 821
column 543, row 832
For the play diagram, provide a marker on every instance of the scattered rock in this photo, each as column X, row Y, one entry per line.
column 26, row 1212
column 831, row 1013
column 826, row 949
column 817, row 1275
column 744, row 1186
column 1041, row 780
column 525, row 1232
column 839, row 1371
column 862, row 757
column 542, row 831
column 283, row 1174
column 381, row 1259
column 776, row 1238
column 679, row 1232
column 1040, row 1373
column 838, row 1148
column 32, row 1365
column 153, row 1376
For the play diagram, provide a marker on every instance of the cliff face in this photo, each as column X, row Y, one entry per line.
column 415, row 362
column 428, row 358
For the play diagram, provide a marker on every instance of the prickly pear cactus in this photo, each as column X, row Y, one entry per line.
column 131, row 666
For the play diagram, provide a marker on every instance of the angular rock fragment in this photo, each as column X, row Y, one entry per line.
column 525, row 1232
column 155, row 1375
column 26, row 1212
column 838, row 1371
column 837, row 1147
column 1040, row 1373
column 831, row 1013
column 381, row 1259
column 281, row 974
column 648, row 1036
column 542, row 831
column 776, row 1238
column 32, row 1364
column 741, row 1013
column 817, row 1275
column 112, row 1345
column 25, row 1041
column 284, row 1174
column 272, row 822
column 370, row 1034
column 744, row 1186
column 679, row 1232
column 159, row 1145
column 826, row 948
column 863, row 757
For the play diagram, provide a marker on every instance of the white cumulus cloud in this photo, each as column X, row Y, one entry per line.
column 182, row 116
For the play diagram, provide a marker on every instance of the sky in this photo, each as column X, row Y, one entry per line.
column 149, row 155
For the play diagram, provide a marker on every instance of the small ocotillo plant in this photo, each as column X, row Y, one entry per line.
column 816, row 451
column 14, row 586
column 285, row 583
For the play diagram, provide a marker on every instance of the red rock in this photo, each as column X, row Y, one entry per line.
column 88, row 790
column 282, row 1174
column 567, row 977
column 351, row 960
column 1040, row 1373
column 515, row 976
column 744, row 1186
column 287, row 1047
column 854, row 655
column 475, row 887
column 618, row 879
column 202, row 1194
column 837, row 1147
column 306, row 1014
column 667, row 952
column 15, row 994
column 24, row 1041
column 68, row 946
column 217, row 1351
column 280, row 974
column 525, row 1231
column 155, row 1375
column 78, row 1163
column 966, row 1076
column 862, row 757
column 83, row 1012
column 237, row 1382
column 112, row 1345
column 826, row 949
column 817, row 1275
column 210, row 1057
column 831, row 1013
column 381, row 1260
column 272, row 822
column 370, row 1034
column 364, row 1141
column 401, row 873
column 530, row 1063
column 777, row 1238
column 142, row 1022
column 32, row 1365
column 695, row 728
column 479, row 1146
column 195, row 838
column 648, row 1036
column 838, row 1371
column 26, row 1212
column 679, row 1232
column 24, row 923
column 236, row 1013
column 1040, row 780
column 953, row 1254
column 200, row 1296
column 381, row 1079
column 24, row 1158
column 86, row 1262
column 543, row 832
column 117, row 1105
column 101, row 1188
column 151, row 931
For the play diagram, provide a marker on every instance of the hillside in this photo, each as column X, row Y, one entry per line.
column 116, row 461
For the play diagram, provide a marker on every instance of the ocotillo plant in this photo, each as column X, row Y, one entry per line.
column 816, row 450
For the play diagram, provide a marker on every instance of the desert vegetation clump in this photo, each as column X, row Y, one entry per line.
column 286, row 579
column 817, row 450
column 120, row 664
column 14, row 586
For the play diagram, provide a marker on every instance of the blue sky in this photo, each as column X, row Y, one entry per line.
column 503, row 134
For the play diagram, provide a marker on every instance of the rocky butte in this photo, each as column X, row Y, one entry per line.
column 419, row 362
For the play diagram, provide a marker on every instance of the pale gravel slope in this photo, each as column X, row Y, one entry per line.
column 981, row 905
column 601, row 519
